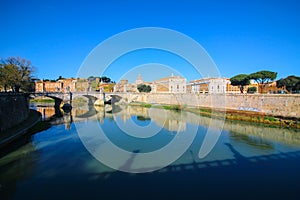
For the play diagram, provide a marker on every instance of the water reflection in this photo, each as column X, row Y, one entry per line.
column 249, row 139
column 56, row 160
column 252, row 134
column 19, row 165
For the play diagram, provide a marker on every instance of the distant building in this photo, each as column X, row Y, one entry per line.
column 208, row 85
column 48, row 86
column 68, row 85
column 139, row 80
column 223, row 85
column 124, row 86
column 62, row 85
column 171, row 84
column 82, row 85
column 270, row 88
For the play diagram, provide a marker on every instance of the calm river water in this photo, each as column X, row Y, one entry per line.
column 249, row 161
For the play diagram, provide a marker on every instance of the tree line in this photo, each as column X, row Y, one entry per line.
column 291, row 83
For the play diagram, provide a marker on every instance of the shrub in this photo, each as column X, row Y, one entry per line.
column 252, row 90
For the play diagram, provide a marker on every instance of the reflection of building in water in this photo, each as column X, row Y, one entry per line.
column 79, row 112
column 129, row 111
column 49, row 112
column 46, row 112
column 175, row 125
column 171, row 121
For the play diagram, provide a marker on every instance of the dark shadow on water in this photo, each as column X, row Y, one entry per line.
column 127, row 165
column 238, row 157
column 274, row 176
column 259, row 177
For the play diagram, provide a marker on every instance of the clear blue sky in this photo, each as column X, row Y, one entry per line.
column 240, row 36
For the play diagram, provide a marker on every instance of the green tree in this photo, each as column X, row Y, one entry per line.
column 94, row 85
column 144, row 88
column 251, row 90
column 263, row 78
column 105, row 79
column 291, row 83
column 16, row 73
column 59, row 78
column 241, row 81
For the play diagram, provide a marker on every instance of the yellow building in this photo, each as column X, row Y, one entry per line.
column 62, row 85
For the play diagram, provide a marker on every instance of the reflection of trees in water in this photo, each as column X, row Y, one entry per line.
column 264, row 133
column 23, row 162
column 143, row 118
column 251, row 140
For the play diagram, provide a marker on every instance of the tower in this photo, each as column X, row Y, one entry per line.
column 139, row 79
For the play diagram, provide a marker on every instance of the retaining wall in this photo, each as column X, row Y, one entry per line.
column 13, row 109
column 272, row 104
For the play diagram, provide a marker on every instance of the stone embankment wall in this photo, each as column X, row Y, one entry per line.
column 271, row 104
column 13, row 109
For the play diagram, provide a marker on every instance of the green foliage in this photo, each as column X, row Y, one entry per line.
column 144, row 88
column 105, row 79
column 42, row 100
column 16, row 74
column 241, row 81
column 146, row 105
column 291, row 83
column 263, row 77
column 166, row 107
column 60, row 78
column 205, row 110
column 175, row 107
column 251, row 90
column 172, row 107
column 271, row 119
column 142, row 118
column 94, row 85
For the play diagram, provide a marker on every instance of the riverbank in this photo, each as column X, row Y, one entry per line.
column 285, row 105
column 230, row 114
column 30, row 125
column 42, row 100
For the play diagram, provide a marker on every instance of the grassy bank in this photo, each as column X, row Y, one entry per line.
column 237, row 115
column 42, row 100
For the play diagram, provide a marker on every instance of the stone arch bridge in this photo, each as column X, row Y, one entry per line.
column 93, row 97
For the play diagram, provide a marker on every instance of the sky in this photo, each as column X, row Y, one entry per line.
column 239, row 36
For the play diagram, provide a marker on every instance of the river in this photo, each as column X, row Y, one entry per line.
column 88, row 152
